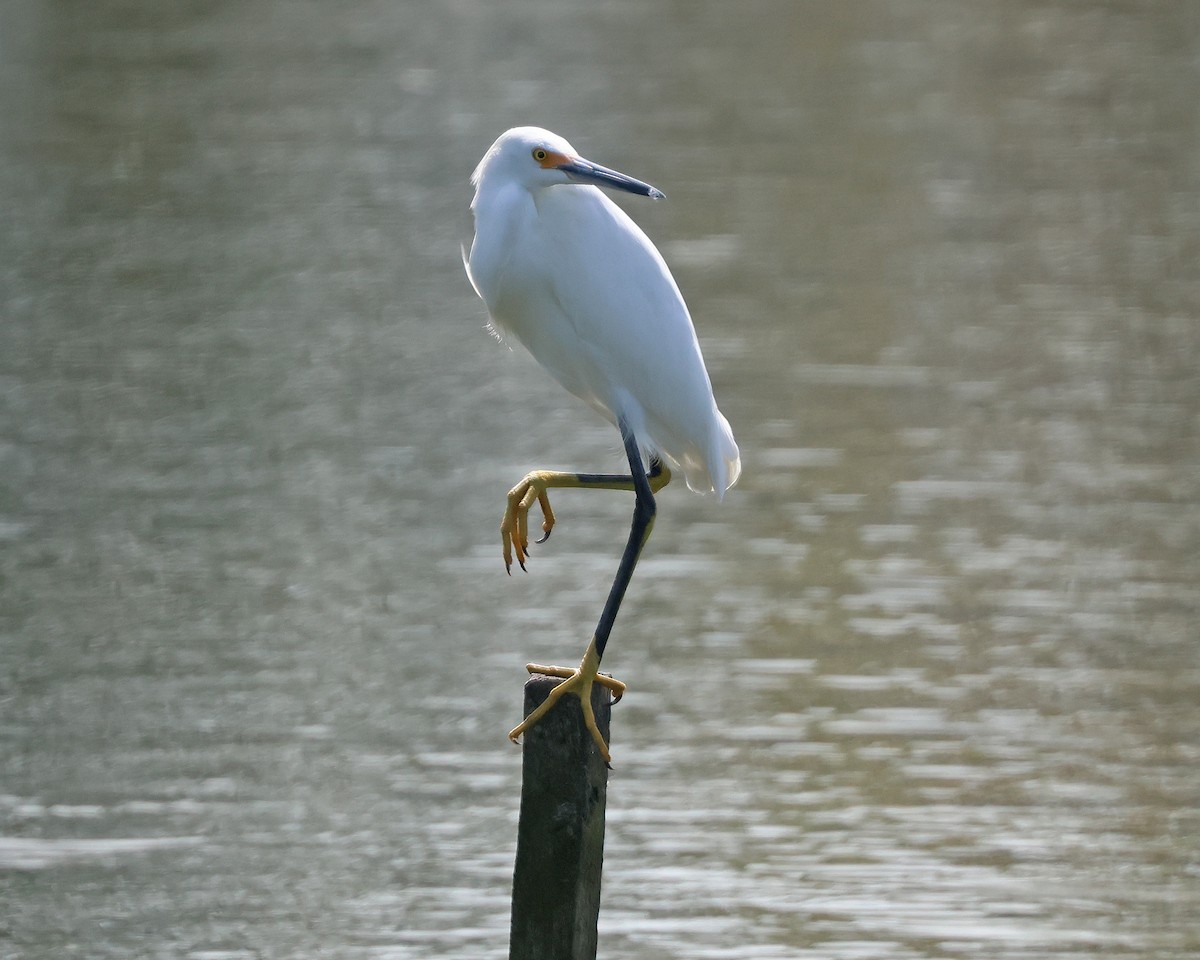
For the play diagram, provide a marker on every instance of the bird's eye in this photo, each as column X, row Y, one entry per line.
column 539, row 154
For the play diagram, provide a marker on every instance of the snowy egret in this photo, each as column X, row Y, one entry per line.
column 565, row 271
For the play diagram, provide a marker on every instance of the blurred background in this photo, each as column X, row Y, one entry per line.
column 924, row 685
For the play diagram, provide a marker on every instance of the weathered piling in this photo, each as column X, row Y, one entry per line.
column 560, row 838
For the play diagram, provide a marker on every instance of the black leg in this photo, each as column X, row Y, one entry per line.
column 579, row 681
column 644, row 511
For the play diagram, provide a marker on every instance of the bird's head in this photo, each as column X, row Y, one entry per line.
column 535, row 158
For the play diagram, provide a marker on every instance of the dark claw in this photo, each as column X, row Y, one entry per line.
column 544, row 539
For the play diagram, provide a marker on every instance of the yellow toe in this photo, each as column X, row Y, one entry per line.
column 577, row 681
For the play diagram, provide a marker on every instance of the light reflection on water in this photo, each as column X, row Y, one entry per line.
column 923, row 686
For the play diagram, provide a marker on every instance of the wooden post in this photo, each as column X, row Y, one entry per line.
column 560, row 838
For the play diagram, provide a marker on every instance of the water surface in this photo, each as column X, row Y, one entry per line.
column 923, row 686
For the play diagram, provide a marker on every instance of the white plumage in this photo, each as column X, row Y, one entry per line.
column 567, row 273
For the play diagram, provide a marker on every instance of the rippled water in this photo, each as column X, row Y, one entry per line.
column 925, row 685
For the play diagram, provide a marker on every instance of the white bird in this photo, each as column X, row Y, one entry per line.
column 565, row 271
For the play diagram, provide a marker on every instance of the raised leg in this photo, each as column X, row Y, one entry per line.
column 514, row 527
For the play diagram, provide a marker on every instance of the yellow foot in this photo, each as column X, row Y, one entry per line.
column 514, row 528
column 578, row 681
